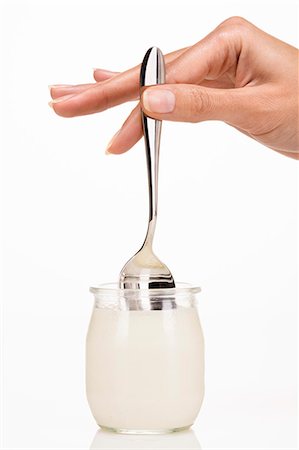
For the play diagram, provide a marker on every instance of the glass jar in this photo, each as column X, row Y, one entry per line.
column 145, row 359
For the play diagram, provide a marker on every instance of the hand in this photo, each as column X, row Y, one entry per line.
column 238, row 74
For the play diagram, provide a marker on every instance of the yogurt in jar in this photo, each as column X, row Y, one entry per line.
column 145, row 369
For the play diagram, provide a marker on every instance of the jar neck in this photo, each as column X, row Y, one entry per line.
column 112, row 297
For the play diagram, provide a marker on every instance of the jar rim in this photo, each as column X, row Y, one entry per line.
column 114, row 289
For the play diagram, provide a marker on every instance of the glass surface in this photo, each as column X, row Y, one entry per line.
column 185, row 440
column 145, row 359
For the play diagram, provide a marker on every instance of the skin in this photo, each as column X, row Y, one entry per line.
column 237, row 74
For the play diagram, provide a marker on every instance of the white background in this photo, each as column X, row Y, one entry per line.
column 73, row 216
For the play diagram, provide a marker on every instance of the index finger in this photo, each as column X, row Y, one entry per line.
column 99, row 97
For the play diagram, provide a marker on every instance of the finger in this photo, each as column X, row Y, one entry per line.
column 100, row 74
column 59, row 90
column 222, row 82
column 99, row 97
column 128, row 135
column 103, row 74
column 192, row 103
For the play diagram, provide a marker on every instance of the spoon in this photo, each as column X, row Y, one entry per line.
column 145, row 270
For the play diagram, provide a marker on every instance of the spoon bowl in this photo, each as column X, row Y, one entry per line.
column 145, row 271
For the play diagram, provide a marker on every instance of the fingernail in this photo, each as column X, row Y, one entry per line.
column 158, row 100
column 111, row 142
column 104, row 70
column 60, row 99
column 65, row 86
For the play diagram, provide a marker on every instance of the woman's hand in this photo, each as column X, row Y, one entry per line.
column 238, row 74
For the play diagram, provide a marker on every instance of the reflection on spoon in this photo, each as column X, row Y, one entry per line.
column 183, row 440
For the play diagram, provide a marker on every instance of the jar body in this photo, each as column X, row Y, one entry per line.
column 145, row 367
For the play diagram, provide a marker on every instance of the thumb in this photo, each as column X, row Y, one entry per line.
column 192, row 103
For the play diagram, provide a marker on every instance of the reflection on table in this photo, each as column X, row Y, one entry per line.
column 184, row 440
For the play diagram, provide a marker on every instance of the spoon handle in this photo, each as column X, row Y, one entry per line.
column 152, row 72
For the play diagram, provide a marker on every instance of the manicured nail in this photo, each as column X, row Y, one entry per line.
column 64, row 86
column 60, row 99
column 161, row 101
column 111, row 142
column 109, row 72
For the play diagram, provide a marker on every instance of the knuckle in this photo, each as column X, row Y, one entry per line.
column 235, row 21
column 200, row 102
column 172, row 75
column 233, row 30
column 102, row 99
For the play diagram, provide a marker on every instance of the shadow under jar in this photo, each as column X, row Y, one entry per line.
column 145, row 359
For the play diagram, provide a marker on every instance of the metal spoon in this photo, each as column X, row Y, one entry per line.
column 145, row 270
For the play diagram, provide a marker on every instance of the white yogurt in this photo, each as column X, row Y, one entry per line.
column 145, row 369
